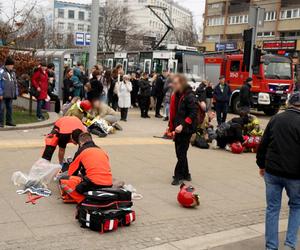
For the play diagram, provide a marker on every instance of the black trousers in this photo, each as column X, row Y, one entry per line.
column 182, row 143
column 221, row 110
column 87, row 185
column 144, row 105
column 124, row 113
column 159, row 100
column 6, row 104
column 55, row 99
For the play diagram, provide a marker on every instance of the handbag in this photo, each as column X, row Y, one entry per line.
column 200, row 142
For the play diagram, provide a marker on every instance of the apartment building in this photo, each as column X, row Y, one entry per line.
column 225, row 21
column 69, row 17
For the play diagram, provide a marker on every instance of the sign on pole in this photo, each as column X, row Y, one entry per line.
column 82, row 39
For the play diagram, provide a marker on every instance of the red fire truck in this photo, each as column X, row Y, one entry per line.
column 272, row 81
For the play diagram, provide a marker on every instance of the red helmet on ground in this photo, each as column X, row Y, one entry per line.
column 85, row 105
column 252, row 142
column 237, row 148
column 186, row 196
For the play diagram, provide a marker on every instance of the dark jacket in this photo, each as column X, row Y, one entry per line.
column 8, row 84
column 209, row 92
column 245, row 95
column 201, row 93
column 222, row 97
column 184, row 111
column 145, row 88
column 96, row 89
column 159, row 86
column 279, row 150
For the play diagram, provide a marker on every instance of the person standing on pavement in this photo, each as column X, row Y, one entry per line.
column 51, row 86
column 183, row 122
column 245, row 95
column 279, row 163
column 39, row 81
column 135, row 89
column 68, row 87
column 144, row 95
column 123, row 89
column 222, row 95
column 209, row 92
column 159, row 92
column 8, row 92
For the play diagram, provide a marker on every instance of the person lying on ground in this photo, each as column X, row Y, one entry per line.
column 66, row 130
column 89, row 171
column 81, row 110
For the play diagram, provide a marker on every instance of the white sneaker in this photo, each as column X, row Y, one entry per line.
column 228, row 148
column 214, row 144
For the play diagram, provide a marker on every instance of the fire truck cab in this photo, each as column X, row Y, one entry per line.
column 272, row 81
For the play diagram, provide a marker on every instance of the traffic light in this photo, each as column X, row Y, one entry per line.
column 256, row 60
column 247, row 48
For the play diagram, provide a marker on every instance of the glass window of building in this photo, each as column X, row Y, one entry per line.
column 71, row 14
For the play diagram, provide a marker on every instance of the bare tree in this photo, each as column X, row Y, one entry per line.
column 187, row 35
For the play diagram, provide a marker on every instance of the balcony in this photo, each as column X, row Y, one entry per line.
column 237, row 6
column 290, row 3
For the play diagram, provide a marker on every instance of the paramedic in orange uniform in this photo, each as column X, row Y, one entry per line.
column 90, row 170
column 66, row 130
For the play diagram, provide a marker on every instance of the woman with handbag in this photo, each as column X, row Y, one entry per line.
column 123, row 89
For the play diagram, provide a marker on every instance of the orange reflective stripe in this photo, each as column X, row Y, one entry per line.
column 51, row 140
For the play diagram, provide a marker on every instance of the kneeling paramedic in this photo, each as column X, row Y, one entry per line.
column 89, row 171
column 66, row 130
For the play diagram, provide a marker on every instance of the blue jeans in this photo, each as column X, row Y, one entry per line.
column 274, row 188
column 39, row 105
column 6, row 105
column 167, row 109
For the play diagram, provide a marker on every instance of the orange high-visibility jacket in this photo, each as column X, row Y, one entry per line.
column 67, row 124
column 93, row 163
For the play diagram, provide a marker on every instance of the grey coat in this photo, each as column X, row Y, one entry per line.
column 8, row 84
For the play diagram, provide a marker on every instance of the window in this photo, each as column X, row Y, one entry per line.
column 80, row 27
column 88, row 28
column 215, row 21
column 238, row 19
column 289, row 14
column 214, row 6
column 266, row 34
column 81, row 15
column 270, row 16
column 61, row 26
column 61, row 13
column 71, row 14
column 235, row 66
column 71, row 26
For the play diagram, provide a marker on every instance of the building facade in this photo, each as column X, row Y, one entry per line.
column 225, row 21
column 70, row 17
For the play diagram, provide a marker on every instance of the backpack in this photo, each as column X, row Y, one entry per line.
column 200, row 142
column 106, row 209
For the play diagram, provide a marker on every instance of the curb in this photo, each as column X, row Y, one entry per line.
column 218, row 239
column 47, row 123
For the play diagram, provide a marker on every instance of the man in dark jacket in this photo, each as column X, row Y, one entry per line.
column 8, row 91
column 159, row 92
column 245, row 95
column 279, row 163
column 222, row 95
column 144, row 95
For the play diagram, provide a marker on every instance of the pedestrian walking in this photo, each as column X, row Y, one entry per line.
column 8, row 92
column 144, row 95
column 279, row 163
column 183, row 121
column 159, row 92
column 246, row 96
column 222, row 95
column 68, row 87
column 123, row 89
column 209, row 92
column 39, row 82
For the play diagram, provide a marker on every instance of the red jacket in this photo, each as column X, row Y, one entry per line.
column 40, row 80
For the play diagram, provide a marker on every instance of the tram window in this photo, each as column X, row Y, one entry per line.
column 235, row 66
